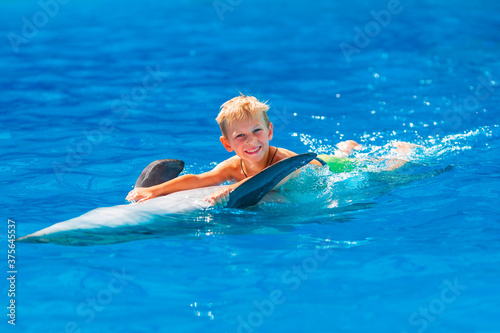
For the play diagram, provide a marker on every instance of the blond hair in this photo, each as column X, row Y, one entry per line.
column 239, row 108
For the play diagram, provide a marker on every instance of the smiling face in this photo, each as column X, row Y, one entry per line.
column 249, row 138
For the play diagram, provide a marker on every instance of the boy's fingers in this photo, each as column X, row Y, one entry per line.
column 226, row 198
column 218, row 199
column 131, row 195
column 210, row 200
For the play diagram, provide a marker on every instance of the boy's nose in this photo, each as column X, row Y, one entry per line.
column 252, row 138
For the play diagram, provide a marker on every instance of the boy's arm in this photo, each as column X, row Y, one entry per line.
column 216, row 176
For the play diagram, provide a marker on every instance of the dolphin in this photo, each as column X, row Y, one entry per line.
column 159, row 171
column 128, row 222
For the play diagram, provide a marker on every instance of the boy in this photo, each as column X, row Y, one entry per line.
column 246, row 130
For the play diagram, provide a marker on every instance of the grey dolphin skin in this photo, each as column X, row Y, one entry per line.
column 158, row 216
column 251, row 191
column 159, row 171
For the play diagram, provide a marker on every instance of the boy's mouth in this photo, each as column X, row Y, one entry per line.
column 253, row 151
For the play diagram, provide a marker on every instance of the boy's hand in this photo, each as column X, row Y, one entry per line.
column 219, row 198
column 140, row 194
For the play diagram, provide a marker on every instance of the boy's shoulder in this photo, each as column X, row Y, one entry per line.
column 230, row 167
column 282, row 153
column 233, row 161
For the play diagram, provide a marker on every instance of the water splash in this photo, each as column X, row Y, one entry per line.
column 428, row 150
column 334, row 194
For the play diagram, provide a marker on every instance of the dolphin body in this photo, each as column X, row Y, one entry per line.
column 172, row 212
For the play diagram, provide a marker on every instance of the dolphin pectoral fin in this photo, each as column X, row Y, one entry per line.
column 159, row 171
column 254, row 189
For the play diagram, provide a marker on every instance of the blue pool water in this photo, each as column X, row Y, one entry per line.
column 92, row 91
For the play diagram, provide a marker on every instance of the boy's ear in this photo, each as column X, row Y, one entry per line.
column 225, row 143
column 270, row 135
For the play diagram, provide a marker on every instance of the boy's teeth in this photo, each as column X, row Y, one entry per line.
column 253, row 151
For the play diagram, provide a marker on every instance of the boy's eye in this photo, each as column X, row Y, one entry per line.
column 239, row 136
column 258, row 129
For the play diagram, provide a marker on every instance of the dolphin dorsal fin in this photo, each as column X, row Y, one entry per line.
column 159, row 171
